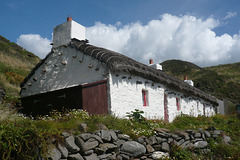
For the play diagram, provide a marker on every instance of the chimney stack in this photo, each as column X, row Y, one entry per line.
column 156, row 66
column 69, row 19
column 185, row 78
column 64, row 33
column 150, row 61
column 190, row 82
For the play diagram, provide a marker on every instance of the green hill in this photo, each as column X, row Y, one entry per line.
column 179, row 68
column 222, row 81
column 15, row 64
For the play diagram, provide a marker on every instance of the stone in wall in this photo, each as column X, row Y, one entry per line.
column 133, row 149
column 110, row 144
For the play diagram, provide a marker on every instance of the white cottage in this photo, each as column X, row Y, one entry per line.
column 76, row 74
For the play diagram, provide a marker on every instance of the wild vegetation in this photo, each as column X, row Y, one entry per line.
column 222, row 81
column 24, row 137
column 15, row 65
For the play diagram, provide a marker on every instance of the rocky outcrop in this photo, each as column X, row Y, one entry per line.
column 110, row 144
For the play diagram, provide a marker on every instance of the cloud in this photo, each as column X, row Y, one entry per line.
column 35, row 44
column 185, row 37
column 170, row 37
column 230, row 15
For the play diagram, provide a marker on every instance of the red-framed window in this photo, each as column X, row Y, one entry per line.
column 178, row 103
column 145, row 97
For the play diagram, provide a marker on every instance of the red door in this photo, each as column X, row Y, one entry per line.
column 94, row 97
column 166, row 116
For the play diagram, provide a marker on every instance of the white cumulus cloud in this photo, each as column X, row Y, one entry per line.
column 170, row 37
column 35, row 43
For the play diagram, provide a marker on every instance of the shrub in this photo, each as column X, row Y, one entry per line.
column 221, row 150
column 177, row 152
column 14, row 78
column 135, row 115
column 20, row 138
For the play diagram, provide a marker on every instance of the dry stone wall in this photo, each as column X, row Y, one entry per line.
column 112, row 144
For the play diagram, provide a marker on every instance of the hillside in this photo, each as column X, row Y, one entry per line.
column 15, row 64
column 222, row 81
column 179, row 68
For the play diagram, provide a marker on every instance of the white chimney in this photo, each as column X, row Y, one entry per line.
column 156, row 66
column 63, row 33
column 190, row 82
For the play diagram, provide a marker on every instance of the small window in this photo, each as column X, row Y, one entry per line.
column 145, row 97
column 178, row 103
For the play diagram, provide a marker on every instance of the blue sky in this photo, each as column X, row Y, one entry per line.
column 205, row 32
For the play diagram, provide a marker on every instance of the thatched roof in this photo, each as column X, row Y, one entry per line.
column 117, row 62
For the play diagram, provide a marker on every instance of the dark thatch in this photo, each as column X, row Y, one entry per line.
column 117, row 62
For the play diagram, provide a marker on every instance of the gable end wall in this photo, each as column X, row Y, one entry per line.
column 64, row 68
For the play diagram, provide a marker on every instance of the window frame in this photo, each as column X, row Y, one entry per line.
column 145, row 99
column 178, row 103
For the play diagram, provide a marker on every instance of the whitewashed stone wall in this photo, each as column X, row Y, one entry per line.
column 192, row 107
column 172, row 107
column 126, row 96
column 209, row 110
column 66, row 67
